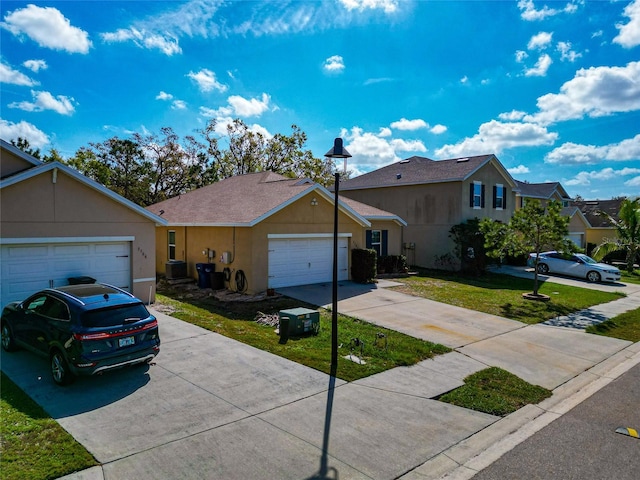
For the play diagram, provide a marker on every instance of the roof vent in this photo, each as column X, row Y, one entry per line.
column 398, row 176
column 461, row 160
column 405, row 161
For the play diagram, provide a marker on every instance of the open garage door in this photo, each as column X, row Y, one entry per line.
column 27, row 268
column 306, row 260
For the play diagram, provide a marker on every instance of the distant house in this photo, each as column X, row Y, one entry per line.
column 554, row 191
column 544, row 192
column 57, row 224
column 599, row 225
column 277, row 231
column 434, row 195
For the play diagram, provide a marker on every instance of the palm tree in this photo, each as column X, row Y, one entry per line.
column 628, row 227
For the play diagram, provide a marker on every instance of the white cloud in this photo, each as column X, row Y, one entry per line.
column 400, row 145
column 541, row 67
column 35, row 65
column 249, row 107
column 179, row 105
column 519, row 170
column 585, row 178
column 530, row 13
column 223, row 122
column 11, row 131
column 167, row 44
column 45, row 101
column 388, row 6
column 48, row 28
column 206, row 80
column 464, row 80
column 438, row 129
column 629, row 34
column 369, row 149
column 521, row 55
column 385, row 132
column 404, row 124
column 14, row 77
column 540, row 41
column 634, row 182
column 513, row 115
column 566, row 53
column 575, row 154
column 164, row 96
column 494, row 137
column 595, row 92
column 334, row 64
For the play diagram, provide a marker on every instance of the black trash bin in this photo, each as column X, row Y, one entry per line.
column 204, row 274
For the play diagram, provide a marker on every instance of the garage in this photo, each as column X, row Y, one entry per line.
column 303, row 260
column 28, row 267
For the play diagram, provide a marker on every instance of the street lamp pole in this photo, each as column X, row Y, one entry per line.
column 338, row 151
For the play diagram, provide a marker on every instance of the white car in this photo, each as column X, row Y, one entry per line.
column 576, row 265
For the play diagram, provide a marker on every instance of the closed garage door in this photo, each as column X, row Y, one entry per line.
column 303, row 261
column 27, row 268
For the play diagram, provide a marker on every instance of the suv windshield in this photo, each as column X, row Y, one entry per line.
column 114, row 316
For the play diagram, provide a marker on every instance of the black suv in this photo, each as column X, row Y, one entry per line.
column 83, row 329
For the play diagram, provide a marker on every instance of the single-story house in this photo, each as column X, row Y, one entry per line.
column 57, row 224
column 277, row 231
column 434, row 195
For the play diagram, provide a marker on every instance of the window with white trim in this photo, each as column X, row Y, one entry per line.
column 171, row 244
column 477, row 200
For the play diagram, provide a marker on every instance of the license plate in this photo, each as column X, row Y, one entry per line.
column 126, row 341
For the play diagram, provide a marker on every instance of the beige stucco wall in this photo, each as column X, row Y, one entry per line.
column 430, row 211
column 597, row 235
column 249, row 245
column 10, row 163
column 40, row 208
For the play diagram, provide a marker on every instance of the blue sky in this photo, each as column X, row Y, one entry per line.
column 551, row 87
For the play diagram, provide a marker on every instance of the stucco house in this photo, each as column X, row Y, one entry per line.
column 277, row 231
column 554, row 191
column 434, row 195
column 599, row 226
column 56, row 223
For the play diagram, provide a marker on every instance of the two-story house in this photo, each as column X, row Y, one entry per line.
column 434, row 195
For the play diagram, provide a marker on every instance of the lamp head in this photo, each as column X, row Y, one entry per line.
column 338, row 151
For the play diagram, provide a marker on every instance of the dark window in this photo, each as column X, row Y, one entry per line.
column 115, row 316
column 378, row 240
column 476, row 196
column 499, row 196
column 172, row 244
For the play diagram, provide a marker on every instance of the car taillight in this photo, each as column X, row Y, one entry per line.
column 104, row 336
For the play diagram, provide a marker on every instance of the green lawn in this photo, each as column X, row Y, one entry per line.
column 34, row 446
column 495, row 391
column 501, row 295
column 630, row 277
column 625, row 326
column 236, row 320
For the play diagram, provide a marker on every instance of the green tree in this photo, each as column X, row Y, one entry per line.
column 628, row 229
column 532, row 229
column 469, row 246
column 241, row 150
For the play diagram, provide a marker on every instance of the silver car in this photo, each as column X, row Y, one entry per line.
column 576, row 265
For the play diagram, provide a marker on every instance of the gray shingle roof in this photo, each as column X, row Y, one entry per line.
column 591, row 210
column 541, row 190
column 244, row 200
column 418, row 170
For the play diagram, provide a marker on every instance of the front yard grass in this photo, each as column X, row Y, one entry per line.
column 495, row 391
column 237, row 320
column 501, row 295
column 625, row 326
column 34, row 446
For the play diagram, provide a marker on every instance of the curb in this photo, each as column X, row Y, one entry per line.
column 463, row 460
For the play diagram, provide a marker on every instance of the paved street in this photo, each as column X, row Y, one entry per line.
column 583, row 443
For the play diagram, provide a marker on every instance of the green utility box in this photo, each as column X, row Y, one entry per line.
column 297, row 322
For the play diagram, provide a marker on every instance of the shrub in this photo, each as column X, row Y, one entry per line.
column 392, row 264
column 363, row 265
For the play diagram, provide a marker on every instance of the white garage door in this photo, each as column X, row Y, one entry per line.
column 303, row 261
column 27, row 268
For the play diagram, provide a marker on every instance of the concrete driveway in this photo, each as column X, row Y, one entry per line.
column 540, row 354
column 212, row 407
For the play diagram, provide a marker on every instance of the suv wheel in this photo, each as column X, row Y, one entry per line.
column 543, row 268
column 60, row 369
column 8, row 343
